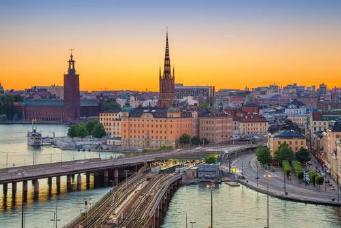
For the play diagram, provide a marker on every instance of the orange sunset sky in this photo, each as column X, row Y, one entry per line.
column 120, row 44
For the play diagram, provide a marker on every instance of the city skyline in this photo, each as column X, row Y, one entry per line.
column 235, row 44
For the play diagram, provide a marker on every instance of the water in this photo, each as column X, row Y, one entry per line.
column 39, row 212
column 243, row 207
column 14, row 150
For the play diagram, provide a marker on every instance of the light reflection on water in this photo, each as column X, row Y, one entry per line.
column 243, row 207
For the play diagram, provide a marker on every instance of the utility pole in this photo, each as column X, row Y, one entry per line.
column 211, row 208
column 285, row 186
column 257, row 173
column 22, row 215
column 186, row 219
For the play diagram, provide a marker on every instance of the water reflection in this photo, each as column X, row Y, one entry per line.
column 242, row 207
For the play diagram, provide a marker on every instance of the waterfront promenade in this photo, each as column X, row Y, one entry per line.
column 296, row 191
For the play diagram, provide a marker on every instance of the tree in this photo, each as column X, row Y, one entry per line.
column 298, row 169
column 284, row 153
column 319, row 180
column 195, row 140
column 312, row 176
column 73, row 131
column 185, row 139
column 204, row 106
column 90, row 125
column 303, row 155
column 98, row 131
column 82, row 131
column 211, row 158
column 286, row 167
column 263, row 155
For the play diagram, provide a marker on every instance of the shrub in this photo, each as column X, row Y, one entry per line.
column 312, row 176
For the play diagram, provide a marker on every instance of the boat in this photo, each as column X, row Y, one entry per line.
column 34, row 138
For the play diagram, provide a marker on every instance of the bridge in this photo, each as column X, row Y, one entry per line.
column 104, row 170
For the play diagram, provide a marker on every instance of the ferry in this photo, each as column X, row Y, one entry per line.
column 34, row 138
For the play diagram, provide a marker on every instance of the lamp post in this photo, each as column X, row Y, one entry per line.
column 257, row 173
column 268, row 177
column 210, row 187
column 192, row 223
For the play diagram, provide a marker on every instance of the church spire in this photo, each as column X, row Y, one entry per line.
column 167, row 66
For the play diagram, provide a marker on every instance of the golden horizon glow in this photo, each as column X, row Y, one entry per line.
column 126, row 55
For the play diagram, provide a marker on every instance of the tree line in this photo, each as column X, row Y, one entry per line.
column 91, row 128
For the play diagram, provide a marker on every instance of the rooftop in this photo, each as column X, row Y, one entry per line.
column 286, row 134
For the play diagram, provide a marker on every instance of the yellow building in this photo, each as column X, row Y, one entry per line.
column 111, row 122
column 251, row 124
column 293, row 139
column 154, row 128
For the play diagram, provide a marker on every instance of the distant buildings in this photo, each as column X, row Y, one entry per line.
column 249, row 124
column 294, row 140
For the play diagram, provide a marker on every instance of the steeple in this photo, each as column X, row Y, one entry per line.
column 71, row 69
column 167, row 67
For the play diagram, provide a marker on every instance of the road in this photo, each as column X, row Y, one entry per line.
column 247, row 166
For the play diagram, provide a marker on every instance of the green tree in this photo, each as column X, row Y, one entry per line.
column 90, row 125
column 73, row 131
column 286, row 167
column 284, row 153
column 204, row 106
column 312, row 176
column 298, row 169
column 303, row 155
column 319, row 180
column 98, row 131
column 82, row 131
column 263, row 155
column 185, row 139
column 195, row 140
column 211, row 158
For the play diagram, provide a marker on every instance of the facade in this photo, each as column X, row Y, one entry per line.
column 48, row 110
column 166, row 82
column 297, row 113
column 71, row 93
column 293, row 139
column 154, row 128
column 250, row 125
column 216, row 127
column 331, row 150
column 111, row 122
column 202, row 93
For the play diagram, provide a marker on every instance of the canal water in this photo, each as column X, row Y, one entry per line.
column 243, row 207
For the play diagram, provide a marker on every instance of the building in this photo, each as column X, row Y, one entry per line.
column 208, row 172
column 57, row 110
column 215, row 127
column 293, row 139
column 330, row 147
column 246, row 124
column 153, row 128
column 166, row 82
column 297, row 113
column 71, row 93
column 111, row 122
column 201, row 93
column 2, row 91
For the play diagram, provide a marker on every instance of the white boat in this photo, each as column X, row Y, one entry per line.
column 34, row 138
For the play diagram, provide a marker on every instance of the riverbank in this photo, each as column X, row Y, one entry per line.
column 291, row 190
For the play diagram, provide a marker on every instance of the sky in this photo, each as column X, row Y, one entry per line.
column 119, row 44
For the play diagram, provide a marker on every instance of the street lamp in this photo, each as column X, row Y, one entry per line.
column 211, row 187
column 192, row 223
column 268, row 177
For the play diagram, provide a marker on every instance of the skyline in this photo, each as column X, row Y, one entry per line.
column 233, row 43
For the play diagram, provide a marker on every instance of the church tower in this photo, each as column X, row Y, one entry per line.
column 166, row 82
column 71, row 93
